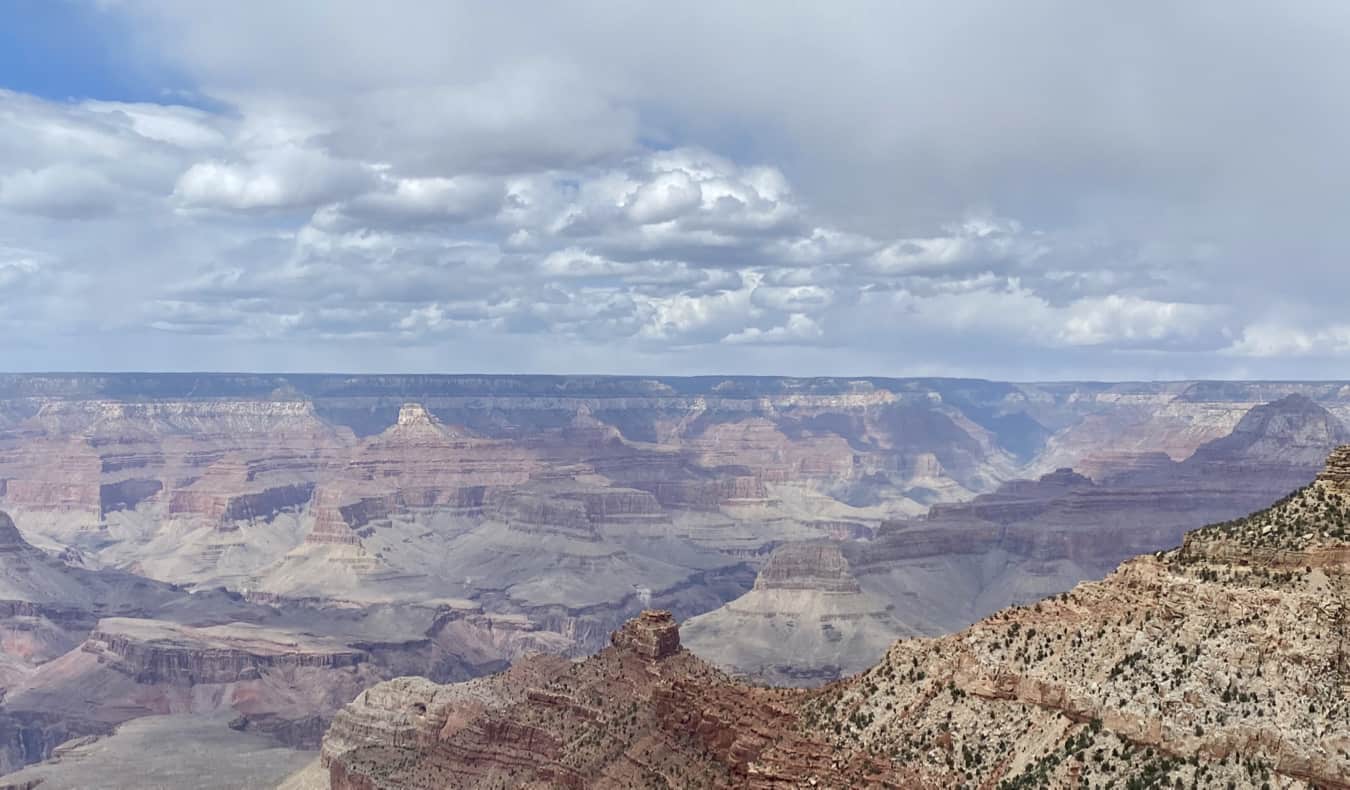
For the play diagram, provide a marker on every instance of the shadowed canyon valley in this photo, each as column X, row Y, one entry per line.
column 419, row 581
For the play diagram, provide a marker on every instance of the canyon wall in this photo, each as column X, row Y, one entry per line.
column 362, row 527
column 1181, row 669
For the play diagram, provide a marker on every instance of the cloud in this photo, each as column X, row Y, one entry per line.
column 1010, row 192
column 799, row 329
column 528, row 116
column 59, row 191
column 666, row 197
column 287, row 177
column 1273, row 340
column 1131, row 320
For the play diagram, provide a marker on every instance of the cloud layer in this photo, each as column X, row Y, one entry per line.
column 1036, row 190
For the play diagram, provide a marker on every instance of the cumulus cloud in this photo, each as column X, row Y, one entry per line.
column 287, row 177
column 797, row 330
column 1275, row 340
column 1132, row 320
column 648, row 188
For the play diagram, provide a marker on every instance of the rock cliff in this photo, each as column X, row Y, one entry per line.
column 806, row 621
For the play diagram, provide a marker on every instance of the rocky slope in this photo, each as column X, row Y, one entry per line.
column 1219, row 664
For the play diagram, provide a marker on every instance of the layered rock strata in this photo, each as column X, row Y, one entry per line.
column 1179, row 669
column 155, row 652
column 806, row 621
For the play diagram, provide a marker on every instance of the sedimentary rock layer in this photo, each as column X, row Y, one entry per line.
column 1178, row 669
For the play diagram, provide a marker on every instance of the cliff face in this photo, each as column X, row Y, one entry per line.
column 94, row 445
column 1179, row 668
column 807, row 566
column 805, row 622
column 155, row 652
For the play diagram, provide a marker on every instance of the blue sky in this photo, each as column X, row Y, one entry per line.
column 60, row 50
column 1029, row 191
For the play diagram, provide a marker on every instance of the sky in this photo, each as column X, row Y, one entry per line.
column 1025, row 191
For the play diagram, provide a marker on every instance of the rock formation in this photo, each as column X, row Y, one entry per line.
column 806, row 621
column 86, row 650
column 653, row 635
column 1029, row 539
column 1219, row 664
column 450, row 525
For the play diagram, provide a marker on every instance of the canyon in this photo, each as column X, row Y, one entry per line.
column 1221, row 663
column 256, row 551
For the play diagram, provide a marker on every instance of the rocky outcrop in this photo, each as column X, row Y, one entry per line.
column 52, row 475
column 708, row 494
column 1309, row 528
column 758, row 445
column 1208, row 664
column 641, row 712
column 653, row 635
column 539, row 513
column 1336, row 474
column 340, row 520
column 1293, row 430
column 232, row 492
column 28, row 737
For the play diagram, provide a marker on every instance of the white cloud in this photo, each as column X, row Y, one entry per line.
column 181, row 127
column 1274, row 340
column 666, row 197
column 798, row 329
column 792, row 299
column 287, row 177
column 1131, row 320
column 977, row 242
column 643, row 184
